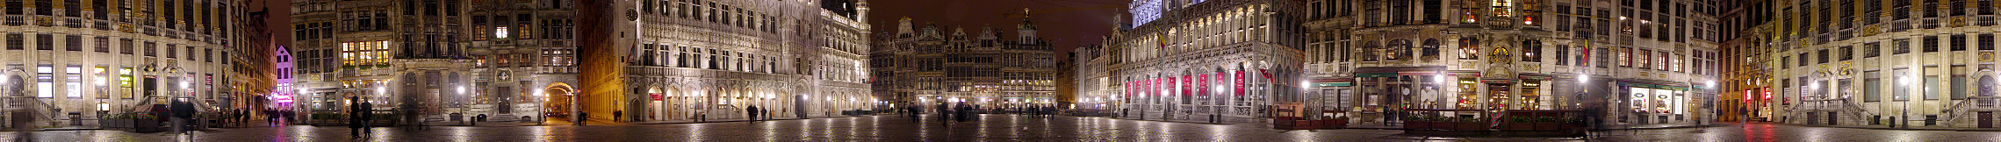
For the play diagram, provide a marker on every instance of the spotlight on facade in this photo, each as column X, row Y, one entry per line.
column 1581, row 78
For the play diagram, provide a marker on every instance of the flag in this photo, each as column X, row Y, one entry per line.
column 1262, row 73
column 1204, row 84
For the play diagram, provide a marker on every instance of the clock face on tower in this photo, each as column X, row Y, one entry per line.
column 631, row 15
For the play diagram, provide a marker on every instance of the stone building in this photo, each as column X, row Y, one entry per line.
column 77, row 61
column 1623, row 63
column 927, row 66
column 1092, row 79
column 1213, row 61
column 1877, row 63
column 416, row 58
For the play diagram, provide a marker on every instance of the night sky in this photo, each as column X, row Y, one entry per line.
column 1066, row 23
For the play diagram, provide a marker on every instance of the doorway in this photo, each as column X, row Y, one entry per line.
column 1986, row 119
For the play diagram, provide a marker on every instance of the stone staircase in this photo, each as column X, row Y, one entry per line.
column 1965, row 113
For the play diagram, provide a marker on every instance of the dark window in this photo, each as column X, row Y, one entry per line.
column 1902, row 46
column 172, row 51
column 1931, row 44
column 125, row 46
column 14, row 40
column 45, row 41
column 1847, row 52
column 1958, row 42
column 1803, row 60
column 42, row 7
column 1562, row 54
column 1986, row 42
column 13, row 10
column 1823, row 56
column 430, row 8
column 103, row 44
column 451, row 7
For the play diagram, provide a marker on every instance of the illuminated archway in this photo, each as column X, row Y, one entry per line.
column 556, row 100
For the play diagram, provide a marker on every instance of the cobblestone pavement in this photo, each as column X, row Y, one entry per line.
column 990, row 128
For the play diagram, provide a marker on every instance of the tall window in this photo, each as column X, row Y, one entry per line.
column 1469, row 48
column 1986, row 42
column 14, row 40
column 1902, row 46
column 1531, row 51
column 1958, row 42
column 45, row 41
column 72, row 43
column 44, row 85
column 1562, row 53
column 1847, row 52
column 1931, row 44
column 1872, row 87
column 73, row 86
column 1625, row 57
column 103, row 44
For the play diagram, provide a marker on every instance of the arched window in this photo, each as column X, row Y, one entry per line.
column 1370, row 50
column 1398, row 49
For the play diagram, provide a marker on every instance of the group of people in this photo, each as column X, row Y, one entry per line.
column 954, row 113
column 359, row 115
column 754, row 114
column 965, row 112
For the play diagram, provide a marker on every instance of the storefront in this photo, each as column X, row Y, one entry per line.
column 1653, row 103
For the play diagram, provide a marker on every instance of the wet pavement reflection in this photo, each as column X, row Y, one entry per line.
column 987, row 128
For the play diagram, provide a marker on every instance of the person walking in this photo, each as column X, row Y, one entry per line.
column 183, row 111
column 583, row 117
column 944, row 114
column 915, row 113
column 616, row 114
column 751, row 114
column 367, row 117
column 354, row 119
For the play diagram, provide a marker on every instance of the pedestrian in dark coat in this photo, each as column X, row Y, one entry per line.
column 752, row 111
column 354, row 118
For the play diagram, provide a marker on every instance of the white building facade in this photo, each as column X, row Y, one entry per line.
column 712, row 59
column 1214, row 61
column 79, row 62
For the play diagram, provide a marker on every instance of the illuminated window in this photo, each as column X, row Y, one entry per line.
column 500, row 32
column 74, row 86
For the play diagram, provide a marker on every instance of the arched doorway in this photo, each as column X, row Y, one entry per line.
column 556, row 100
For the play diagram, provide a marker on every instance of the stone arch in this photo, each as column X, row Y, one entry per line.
column 1987, row 84
column 556, row 98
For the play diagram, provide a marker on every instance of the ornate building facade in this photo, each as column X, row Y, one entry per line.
column 712, row 59
column 427, row 59
column 928, row 66
column 1624, row 62
column 79, row 61
column 1877, row 63
column 1215, row 61
column 1093, row 91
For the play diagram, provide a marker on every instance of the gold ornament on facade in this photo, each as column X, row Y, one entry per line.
column 44, row 21
column 1986, row 56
